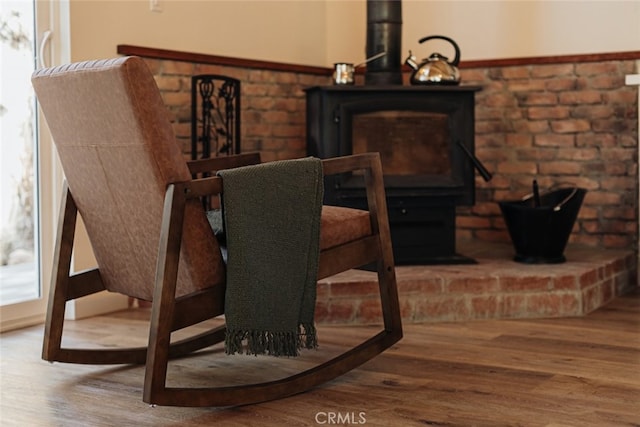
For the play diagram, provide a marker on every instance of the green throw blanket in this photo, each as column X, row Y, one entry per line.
column 272, row 227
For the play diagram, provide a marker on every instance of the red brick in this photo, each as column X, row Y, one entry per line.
column 441, row 309
column 341, row 311
column 492, row 235
column 354, row 289
column 588, row 278
column 514, row 73
column 254, row 89
column 595, row 140
column 486, row 209
column 323, row 290
column 560, row 84
column 369, row 312
column 532, row 126
column 321, row 314
column 553, row 70
column 542, row 98
column 570, row 126
column 600, row 198
column 490, row 126
column 514, row 306
column 560, row 168
column 472, row 75
column 596, row 68
column 518, row 140
column 554, row 140
column 564, row 282
column 260, row 102
column 486, row 307
column 618, row 241
column 426, row 285
column 622, row 96
column 177, row 67
column 580, row 97
column 577, row 154
column 274, row 144
column 176, row 98
column 155, row 65
column 591, row 299
column 472, row 222
column 593, row 111
column 472, row 285
column 286, row 130
column 552, row 305
column 525, row 283
column 519, row 167
column 274, row 117
column 168, row 83
column 611, row 125
column 487, row 113
column 540, row 113
column 209, row 69
column 515, row 86
column 500, row 100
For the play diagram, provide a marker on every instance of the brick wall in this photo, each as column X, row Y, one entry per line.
column 273, row 105
column 572, row 123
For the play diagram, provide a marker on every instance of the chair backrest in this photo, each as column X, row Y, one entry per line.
column 118, row 151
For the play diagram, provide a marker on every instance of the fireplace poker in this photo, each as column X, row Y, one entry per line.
column 486, row 175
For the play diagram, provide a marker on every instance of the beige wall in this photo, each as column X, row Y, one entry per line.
column 508, row 29
column 281, row 31
column 321, row 32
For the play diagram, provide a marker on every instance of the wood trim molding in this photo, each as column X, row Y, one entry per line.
column 562, row 59
column 174, row 55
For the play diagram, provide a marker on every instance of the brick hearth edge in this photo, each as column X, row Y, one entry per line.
column 494, row 288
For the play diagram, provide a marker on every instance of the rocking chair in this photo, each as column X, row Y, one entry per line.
column 128, row 178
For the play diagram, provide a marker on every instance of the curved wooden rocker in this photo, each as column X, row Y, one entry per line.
column 128, row 178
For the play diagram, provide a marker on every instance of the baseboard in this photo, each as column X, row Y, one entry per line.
column 94, row 305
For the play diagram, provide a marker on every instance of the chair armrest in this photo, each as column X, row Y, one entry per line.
column 371, row 165
column 336, row 165
column 214, row 164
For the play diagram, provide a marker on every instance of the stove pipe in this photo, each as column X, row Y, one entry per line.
column 384, row 34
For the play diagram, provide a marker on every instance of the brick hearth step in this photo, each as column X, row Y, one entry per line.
column 496, row 287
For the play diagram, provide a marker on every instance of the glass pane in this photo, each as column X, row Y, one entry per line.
column 19, row 271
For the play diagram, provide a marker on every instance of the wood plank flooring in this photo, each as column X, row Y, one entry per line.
column 553, row 372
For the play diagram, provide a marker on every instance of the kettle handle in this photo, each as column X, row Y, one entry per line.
column 456, row 60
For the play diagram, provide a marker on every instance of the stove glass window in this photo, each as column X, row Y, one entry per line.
column 409, row 142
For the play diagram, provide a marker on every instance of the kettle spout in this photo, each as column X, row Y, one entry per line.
column 411, row 61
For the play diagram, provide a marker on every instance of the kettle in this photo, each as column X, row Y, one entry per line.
column 436, row 69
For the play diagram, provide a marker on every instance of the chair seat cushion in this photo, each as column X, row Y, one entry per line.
column 340, row 225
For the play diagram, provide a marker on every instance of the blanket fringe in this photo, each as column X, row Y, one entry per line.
column 271, row 343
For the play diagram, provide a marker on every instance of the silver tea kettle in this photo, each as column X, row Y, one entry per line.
column 436, row 69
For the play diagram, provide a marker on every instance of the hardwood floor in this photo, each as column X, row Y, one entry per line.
column 553, row 372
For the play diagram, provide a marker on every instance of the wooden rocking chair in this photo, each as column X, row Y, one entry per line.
column 128, row 179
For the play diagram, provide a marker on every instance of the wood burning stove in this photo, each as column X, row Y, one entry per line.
column 425, row 136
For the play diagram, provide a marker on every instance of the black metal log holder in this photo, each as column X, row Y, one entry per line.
column 215, row 126
column 215, row 119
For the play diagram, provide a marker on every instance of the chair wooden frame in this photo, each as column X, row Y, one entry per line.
column 169, row 313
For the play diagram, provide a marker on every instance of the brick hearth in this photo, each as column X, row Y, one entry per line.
column 495, row 287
